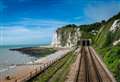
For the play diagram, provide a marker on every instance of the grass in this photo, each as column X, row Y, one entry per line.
column 111, row 57
column 60, row 75
column 56, row 71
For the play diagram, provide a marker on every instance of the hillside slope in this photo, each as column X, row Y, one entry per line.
column 69, row 35
column 105, row 37
column 107, row 43
column 109, row 33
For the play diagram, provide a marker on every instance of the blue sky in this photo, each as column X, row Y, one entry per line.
column 34, row 21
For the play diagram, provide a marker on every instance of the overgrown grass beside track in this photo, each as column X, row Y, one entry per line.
column 56, row 72
column 111, row 57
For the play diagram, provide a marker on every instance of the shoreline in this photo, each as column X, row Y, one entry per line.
column 29, row 49
column 5, row 67
column 21, row 71
column 36, row 59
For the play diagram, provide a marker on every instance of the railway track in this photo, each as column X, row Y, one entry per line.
column 90, row 68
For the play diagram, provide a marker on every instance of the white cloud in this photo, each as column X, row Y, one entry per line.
column 21, row 35
column 29, row 31
column 101, row 11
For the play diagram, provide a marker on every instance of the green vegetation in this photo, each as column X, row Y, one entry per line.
column 104, row 45
column 63, row 71
column 111, row 57
column 54, row 72
column 72, row 31
column 102, row 39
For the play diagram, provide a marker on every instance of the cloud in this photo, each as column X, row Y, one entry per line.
column 2, row 6
column 22, row 35
column 29, row 31
column 101, row 10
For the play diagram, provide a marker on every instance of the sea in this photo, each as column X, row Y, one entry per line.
column 8, row 57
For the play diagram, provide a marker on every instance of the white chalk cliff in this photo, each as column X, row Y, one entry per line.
column 116, row 42
column 115, row 26
column 66, row 38
column 114, row 29
column 56, row 40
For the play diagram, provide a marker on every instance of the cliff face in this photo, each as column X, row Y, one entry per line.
column 56, row 40
column 109, row 34
column 105, row 36
column 104, row 33
column 69, row 35
column 107, row 43
column 115, row 29
column 115, row 26
column 66, row 37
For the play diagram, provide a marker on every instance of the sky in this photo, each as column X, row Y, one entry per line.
column 35, row 21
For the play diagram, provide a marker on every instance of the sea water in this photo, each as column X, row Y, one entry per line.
column 8, row 57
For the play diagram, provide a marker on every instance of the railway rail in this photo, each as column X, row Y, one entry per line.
column 90, row 68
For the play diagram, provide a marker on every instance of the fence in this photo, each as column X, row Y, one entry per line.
column 36, row 69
